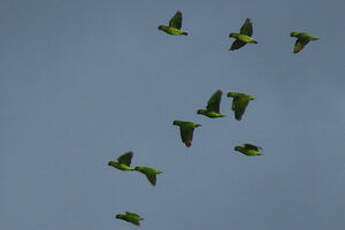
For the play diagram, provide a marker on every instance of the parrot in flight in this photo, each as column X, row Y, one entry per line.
column 239, row 103
column 249, row 150
column 123, row 162
column 175, row 25
column 186, row 131
column 130, row 217
column 244, row 36
column 212, row 109
column 150, row 173
column 302, row 40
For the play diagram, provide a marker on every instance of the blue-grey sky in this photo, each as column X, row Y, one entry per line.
column 84, row 81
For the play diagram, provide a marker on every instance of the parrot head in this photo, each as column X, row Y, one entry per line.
column 231, row 94
column 237, row 148
column 231, row 35
column 201, row 111
column 294, row 34
column 176, row 122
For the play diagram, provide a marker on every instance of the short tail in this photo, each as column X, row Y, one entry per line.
column 255, row 42
column 185, row 33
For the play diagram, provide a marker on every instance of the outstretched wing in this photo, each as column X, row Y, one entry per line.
column 187, row 135
column 176, row 20
column 299, row 45
column 247, row 28
column 152, row 178
column 252, row 147
column 239, row 105
column 214, row 101
column 237, row 44
column 125, row 158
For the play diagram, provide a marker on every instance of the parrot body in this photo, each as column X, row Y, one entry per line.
column 212, row 109
column 150, row 173
column 249, row 150
column 123, row 162
column 186, row 131
column 175, row 25
column 244, row 36
column 130, row 217
column 239, row 103
column 302, row 40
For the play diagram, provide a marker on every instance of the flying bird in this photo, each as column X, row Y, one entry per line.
column 302, row 40
column 130, row 217
column 150, row 173
column 212, row 109
column 123, row 162
column 175, row 25
column 249, row 150
column 244, row 36
column 239, row 103
column 186, row 131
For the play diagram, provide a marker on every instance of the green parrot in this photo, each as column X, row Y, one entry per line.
column 175, row 25
column 186, row 131
column 123, row 162
column 130, row 217
column 249, row 150
column 244, row 36
column 302, row 40
column 150, row 173
column 239, row 103
column 212, row 109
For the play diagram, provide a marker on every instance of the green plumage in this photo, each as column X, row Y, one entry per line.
column 212, row 109
column 123, row 162
column 302, row 40
column 150, row 173
column 244, row 36
column 186, row 131
column 249, row 150
column 130, row 217
column 239, row 103
column 175, row 25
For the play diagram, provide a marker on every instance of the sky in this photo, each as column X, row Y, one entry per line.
column 84, row 81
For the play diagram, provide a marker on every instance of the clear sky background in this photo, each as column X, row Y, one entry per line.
column 84, row 81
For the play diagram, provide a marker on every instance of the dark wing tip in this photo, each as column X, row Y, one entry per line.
column 152, row 179
column 188, row 143
column 179, row 12
column 238, row 116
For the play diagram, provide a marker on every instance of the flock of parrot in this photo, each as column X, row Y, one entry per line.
column 240, row 102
